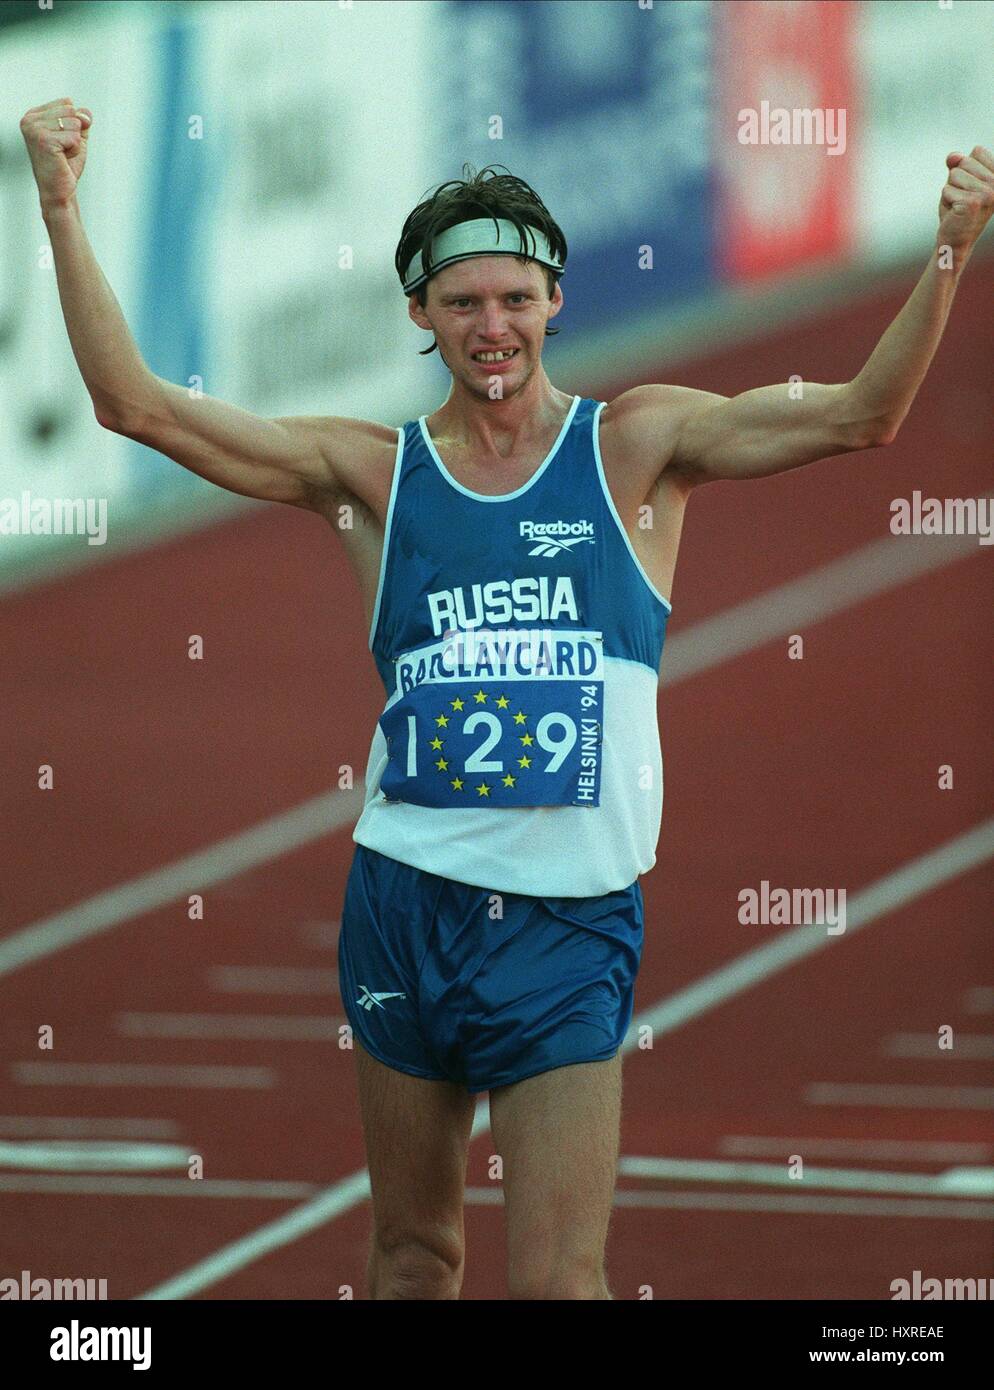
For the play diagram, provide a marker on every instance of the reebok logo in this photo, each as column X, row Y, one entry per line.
column 367, row 999
column 567, row 534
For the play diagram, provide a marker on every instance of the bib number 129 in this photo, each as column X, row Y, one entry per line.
column 555, row 733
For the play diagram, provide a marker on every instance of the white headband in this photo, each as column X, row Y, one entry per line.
column 481, row 237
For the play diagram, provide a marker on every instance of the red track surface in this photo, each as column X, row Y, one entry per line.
column 821, row 772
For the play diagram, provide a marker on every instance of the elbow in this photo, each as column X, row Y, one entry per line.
column 122, row 413
column 106, row 418
column 855, row 417
column 881, row 433
column 117, row 424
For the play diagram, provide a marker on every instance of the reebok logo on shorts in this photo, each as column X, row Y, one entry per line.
column 367, row 999
column 566, row 534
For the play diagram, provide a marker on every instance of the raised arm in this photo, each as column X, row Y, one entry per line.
column 776, row 428
column 290, row 459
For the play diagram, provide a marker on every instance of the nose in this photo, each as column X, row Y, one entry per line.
column 492, row 323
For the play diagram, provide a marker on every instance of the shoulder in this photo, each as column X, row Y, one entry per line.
column 648, row 415
column 640, row 429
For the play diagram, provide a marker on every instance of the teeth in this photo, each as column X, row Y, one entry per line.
column 494, row 356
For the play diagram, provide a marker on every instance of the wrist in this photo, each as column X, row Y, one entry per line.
column 53, row 210
column 952, row 258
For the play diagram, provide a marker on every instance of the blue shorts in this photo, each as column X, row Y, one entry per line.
column 443, row 980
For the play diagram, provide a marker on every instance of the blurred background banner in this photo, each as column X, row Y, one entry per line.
column 246, row 211
column 605, row 109
column 50, row 442
column 784, row 205
column 925, row 88
column 321, row 155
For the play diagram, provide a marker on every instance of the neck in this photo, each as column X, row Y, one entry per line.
column 500, row 428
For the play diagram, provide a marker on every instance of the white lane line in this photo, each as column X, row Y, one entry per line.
column 967, row 1047
column 822, row 593
column 272, row 979
column 240, row 1027
column 980, row 1000
column 929, row 871
column 130, row 1074
column 341, row 1197
column 870, row 570
column 925, row 1208
column 920, row 876
column 887, row 1150
column 958, row 1182
column 906, row 1097
column 85, row 1127
column 270, row 839
column 100, row 1156
column 66, row 1184
column 787, row 1203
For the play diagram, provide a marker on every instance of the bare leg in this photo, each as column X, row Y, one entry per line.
column 558, row 1136
column 417, row 1135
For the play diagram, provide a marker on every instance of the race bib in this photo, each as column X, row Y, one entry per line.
column 498, row 719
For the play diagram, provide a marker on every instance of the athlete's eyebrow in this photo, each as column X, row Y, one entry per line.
column 465, row 294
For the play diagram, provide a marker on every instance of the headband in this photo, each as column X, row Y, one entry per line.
column 480, row 237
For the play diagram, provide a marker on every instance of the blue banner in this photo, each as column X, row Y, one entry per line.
column 604, row 108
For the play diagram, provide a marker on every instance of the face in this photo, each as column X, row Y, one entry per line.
column 488, row 305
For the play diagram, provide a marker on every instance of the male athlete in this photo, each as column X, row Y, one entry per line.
column 492, row 924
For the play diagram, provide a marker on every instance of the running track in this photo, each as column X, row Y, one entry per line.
column 821, row 772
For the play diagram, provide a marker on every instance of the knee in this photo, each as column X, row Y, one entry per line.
column 415, row 1267
column 560, row 1279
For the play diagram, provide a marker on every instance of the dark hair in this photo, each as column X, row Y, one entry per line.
column 483, row 194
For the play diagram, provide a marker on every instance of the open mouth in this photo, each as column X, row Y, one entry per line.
column 494, row 359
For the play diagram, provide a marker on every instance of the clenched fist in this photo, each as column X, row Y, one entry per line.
column 58, row 153
column 967, row 200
